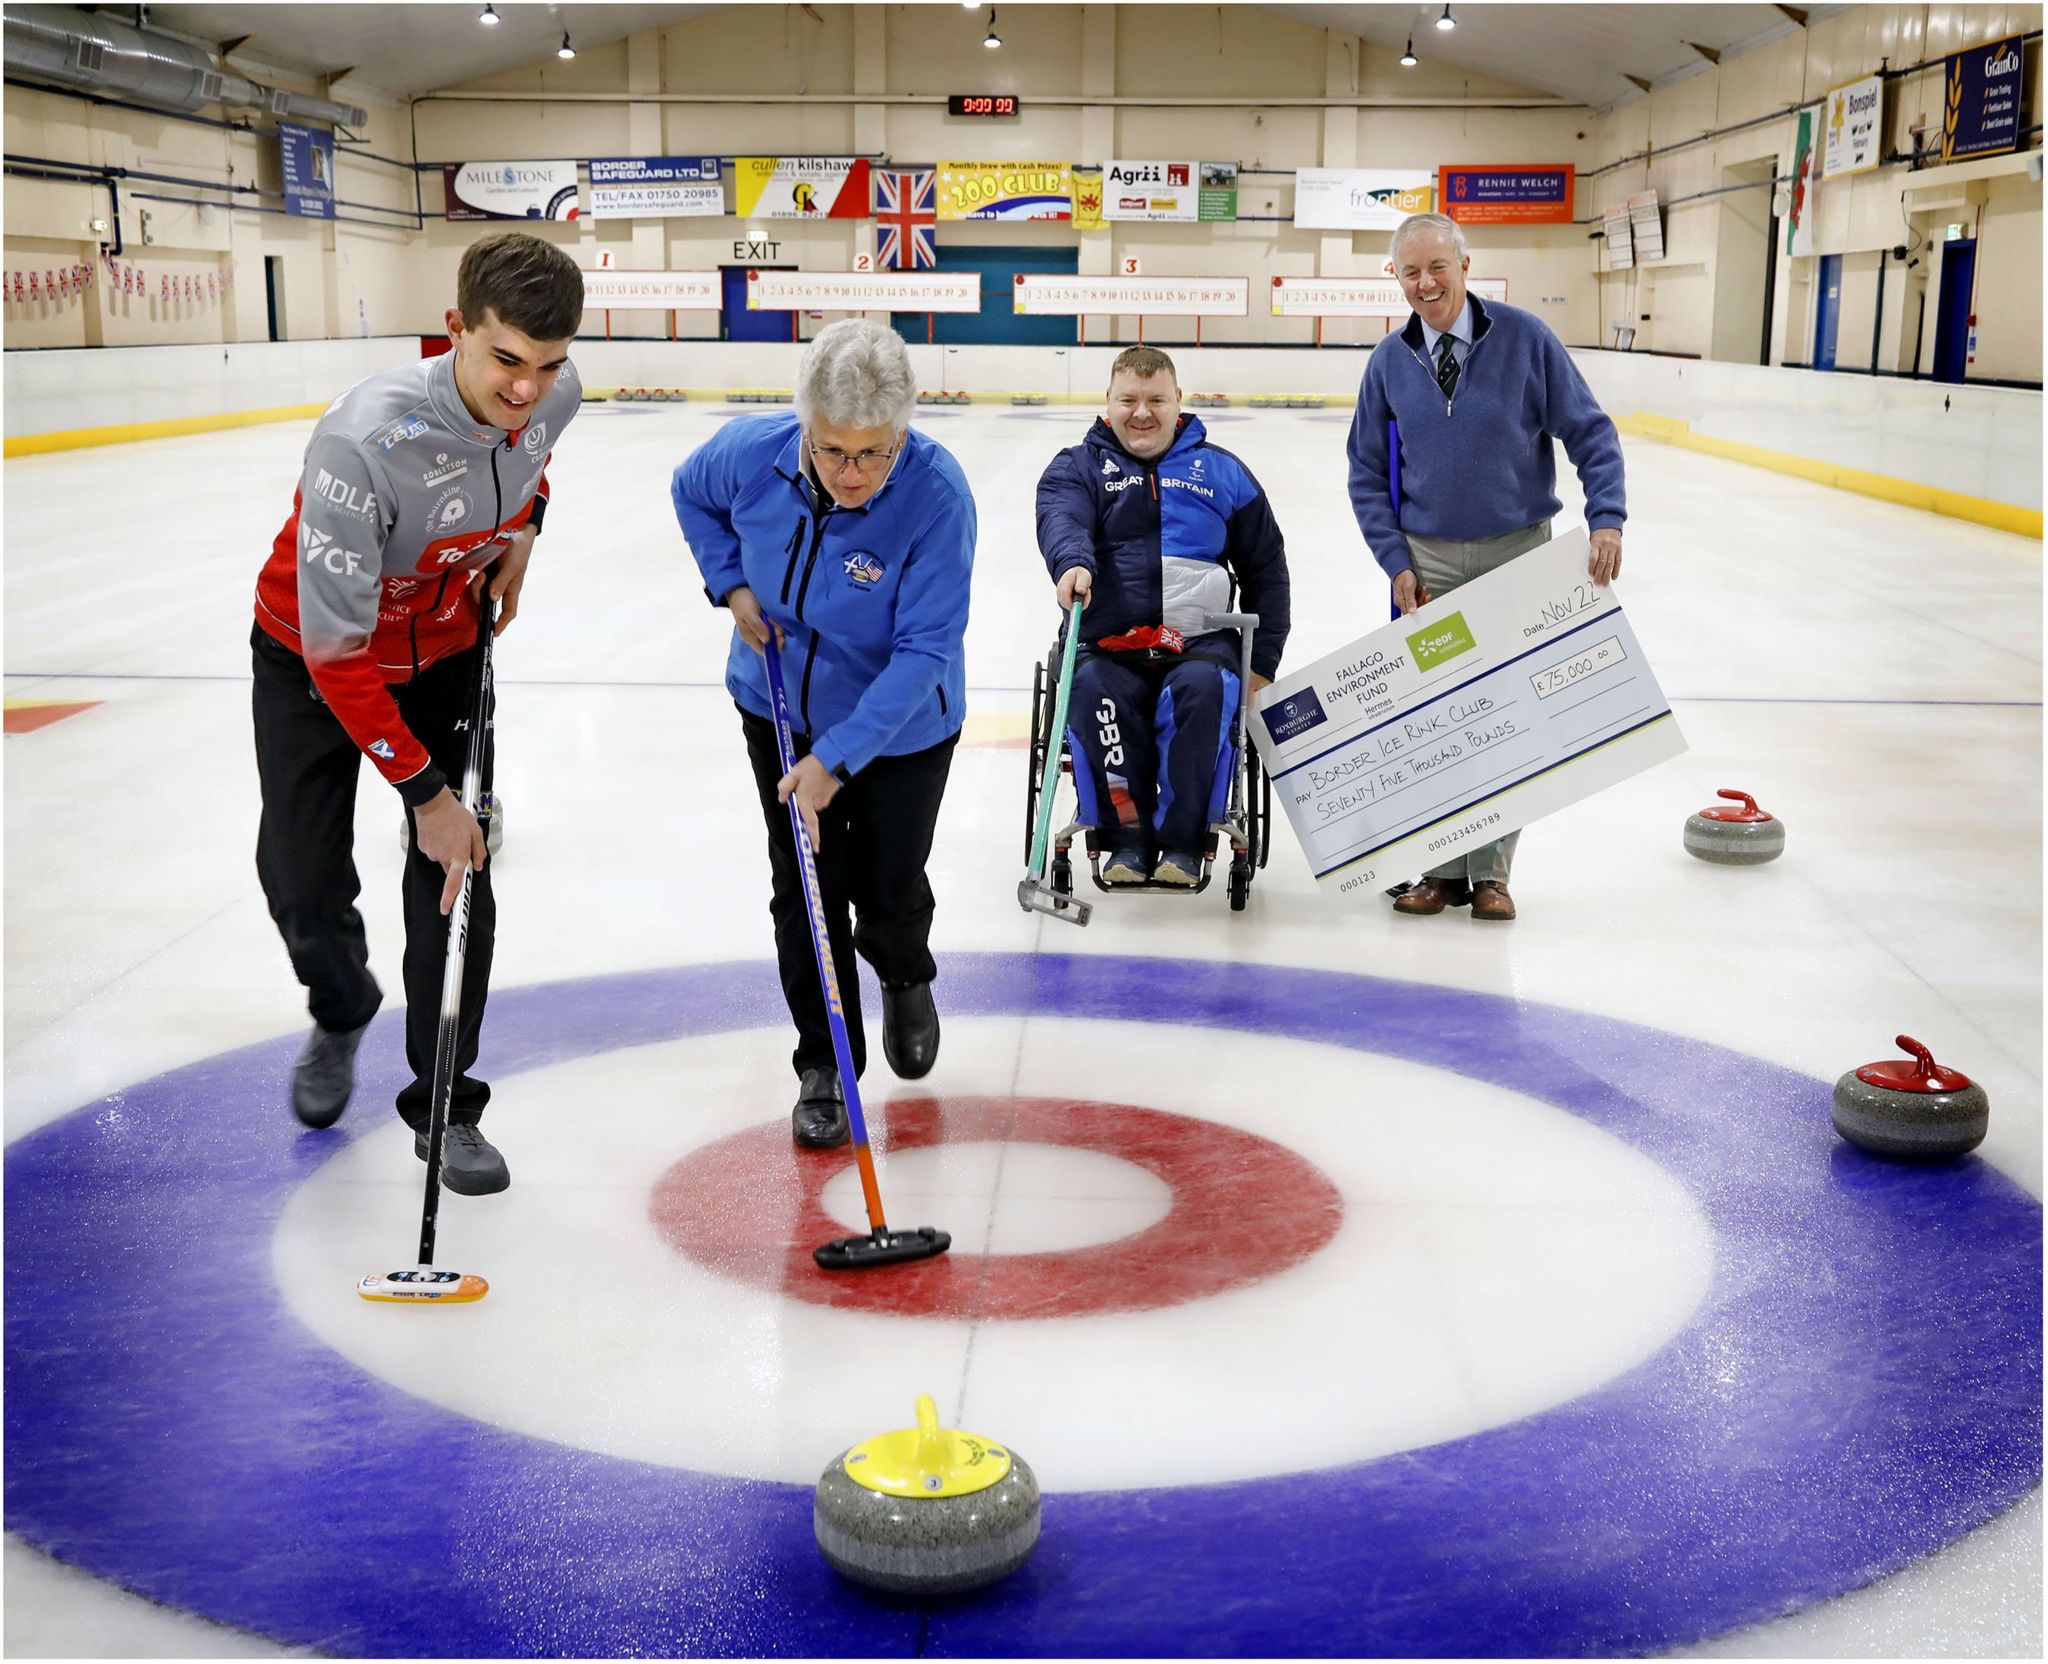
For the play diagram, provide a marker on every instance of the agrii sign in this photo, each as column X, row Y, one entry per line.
column 510, row 190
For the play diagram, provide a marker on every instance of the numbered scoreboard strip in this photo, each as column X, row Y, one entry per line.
column 1520, row 694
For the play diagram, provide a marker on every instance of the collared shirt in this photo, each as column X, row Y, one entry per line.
column 1460, row 333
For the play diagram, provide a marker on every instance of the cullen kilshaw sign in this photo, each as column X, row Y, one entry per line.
column 307, row 157
column 1358, row 297
column 1007, row 191
column 912, row 291
column 801, row 188
column 654, row 187
column 616, row 291
column 1980, row 108
column 510, row 190
column 1039, row 294
column 1360, row 199
column 1508, row 195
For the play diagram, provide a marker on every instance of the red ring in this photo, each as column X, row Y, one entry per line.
column 1244, row 1208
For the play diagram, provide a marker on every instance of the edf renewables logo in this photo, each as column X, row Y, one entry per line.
column 1445, row 639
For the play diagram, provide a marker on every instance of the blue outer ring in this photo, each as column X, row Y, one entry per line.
column 1860, row 1386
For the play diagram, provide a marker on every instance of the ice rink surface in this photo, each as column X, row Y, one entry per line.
column 1519, row 1261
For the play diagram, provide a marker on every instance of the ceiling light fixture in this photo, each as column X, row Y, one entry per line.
column 1408, row 58
column 991, row 40
column 565, row 50
column 1447, row 21
column 487, row 16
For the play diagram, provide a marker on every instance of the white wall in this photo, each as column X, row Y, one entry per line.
column 57, row 391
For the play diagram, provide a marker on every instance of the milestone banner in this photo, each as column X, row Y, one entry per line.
column 510, row 190
column 912, row 291
column 801, row 188
column 617, row 291
column 1517, row 695
column 1358, row 297
column 1512, row 195
column 1006, row 191
column 1360, row 199
column 1039, row 294
column 655, row 187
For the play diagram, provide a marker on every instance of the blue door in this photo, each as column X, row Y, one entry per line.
column 735, row 322
column 1952, row 311
column 1827, row 312
column 998, row 319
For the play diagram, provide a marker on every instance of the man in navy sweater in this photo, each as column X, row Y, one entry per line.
column 1479, row 390
column 1146, row 522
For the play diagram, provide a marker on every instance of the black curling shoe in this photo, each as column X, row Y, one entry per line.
column 470, row 1163
column 325, row 1075
column 819, row 1120
column 910, row 1030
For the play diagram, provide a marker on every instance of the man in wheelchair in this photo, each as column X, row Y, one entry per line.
column 1147, row 523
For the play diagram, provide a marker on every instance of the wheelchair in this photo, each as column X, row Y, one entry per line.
column 1248, row 813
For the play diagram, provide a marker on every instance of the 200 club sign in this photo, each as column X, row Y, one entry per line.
column 510, row 190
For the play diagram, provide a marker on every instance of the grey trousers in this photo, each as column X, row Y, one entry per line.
column 1442, row 564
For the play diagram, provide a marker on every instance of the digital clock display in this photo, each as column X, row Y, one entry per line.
column 982, row 104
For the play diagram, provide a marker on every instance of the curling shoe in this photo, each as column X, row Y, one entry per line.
column 1182, row 872
column 470, row 1163
column 1126, row 866
column 819, row 1120
column 325, row 1075
column 910, row 1030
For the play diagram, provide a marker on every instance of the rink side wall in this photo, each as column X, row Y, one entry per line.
column 1973, row 452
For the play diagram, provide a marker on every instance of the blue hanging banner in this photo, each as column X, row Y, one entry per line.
column 1980, row 113
column 307, row 155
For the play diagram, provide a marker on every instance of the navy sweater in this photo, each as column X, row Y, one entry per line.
column 1481, row 465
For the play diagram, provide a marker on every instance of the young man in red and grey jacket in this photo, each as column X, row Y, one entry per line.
column 421, row 485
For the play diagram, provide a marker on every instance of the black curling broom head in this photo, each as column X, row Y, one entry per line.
column 861, row 1253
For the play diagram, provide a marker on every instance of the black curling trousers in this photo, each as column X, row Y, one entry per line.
column 305, row 858
column 877, row 837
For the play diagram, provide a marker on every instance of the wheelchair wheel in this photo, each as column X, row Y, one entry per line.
column 1240, row 881
column 1062, row 875
column 1036, row 769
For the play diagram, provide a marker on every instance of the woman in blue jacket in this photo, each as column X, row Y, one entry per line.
column 852, row 539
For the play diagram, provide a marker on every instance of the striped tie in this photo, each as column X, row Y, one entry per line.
column 1446, row 367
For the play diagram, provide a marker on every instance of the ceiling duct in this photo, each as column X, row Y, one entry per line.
column 91, row 51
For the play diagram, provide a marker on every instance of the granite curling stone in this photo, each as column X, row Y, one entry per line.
column 927, row 1510
column 1911, row 1109
column 1741, row 837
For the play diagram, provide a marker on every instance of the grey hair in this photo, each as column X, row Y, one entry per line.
column 1426, row 222
column 856, row 374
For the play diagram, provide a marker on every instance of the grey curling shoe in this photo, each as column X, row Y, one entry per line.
column 325, row 1075
column 470, row 1163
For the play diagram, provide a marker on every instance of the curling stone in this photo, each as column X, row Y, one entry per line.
column 927, row 1510
column 1741, row 837
column 1911, row 1108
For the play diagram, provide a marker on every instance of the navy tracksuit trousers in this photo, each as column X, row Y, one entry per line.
column 1148, row 734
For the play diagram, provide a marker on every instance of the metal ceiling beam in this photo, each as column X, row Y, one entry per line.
column 1706, row 52
column 1797, row 14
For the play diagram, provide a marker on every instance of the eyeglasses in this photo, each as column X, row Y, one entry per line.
column 831, row 459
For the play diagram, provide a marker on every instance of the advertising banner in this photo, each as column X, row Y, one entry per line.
column 618, row 291
column 654, row 187
column 1524, row 692
column 307, row 157
column 1646, row 227
column 1043, row 294
column 1359, row 297
column 1087, row 197
column 1513, row 195
column 1360, row 199
column 801, row 188
column 1980, row 108
column 1006, row 191
column 1153, row 191
column 1617, row 249
column 1855, row 127
column 1217, row 197
column 510, row 190
column 863, row 291
column 1801, row 213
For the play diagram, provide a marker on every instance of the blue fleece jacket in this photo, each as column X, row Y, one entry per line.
column 872, row 600
column 1481, row 464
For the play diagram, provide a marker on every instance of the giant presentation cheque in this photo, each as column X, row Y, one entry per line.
column 1522, row 692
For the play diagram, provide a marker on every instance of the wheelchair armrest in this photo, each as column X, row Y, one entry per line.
column 1243, row 621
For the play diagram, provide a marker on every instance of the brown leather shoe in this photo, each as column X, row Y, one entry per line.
column 1490, row 900
column 1433, row 895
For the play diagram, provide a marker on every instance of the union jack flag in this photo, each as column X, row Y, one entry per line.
column 907, row 217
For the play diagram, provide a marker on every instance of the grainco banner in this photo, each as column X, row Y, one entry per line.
column 1508, row 195
column 510, row 190
column 1149, row 191
column 1006, row 191
column 1360, row 199
column 801, row 188
column 1980, row 110
column 654, row 187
